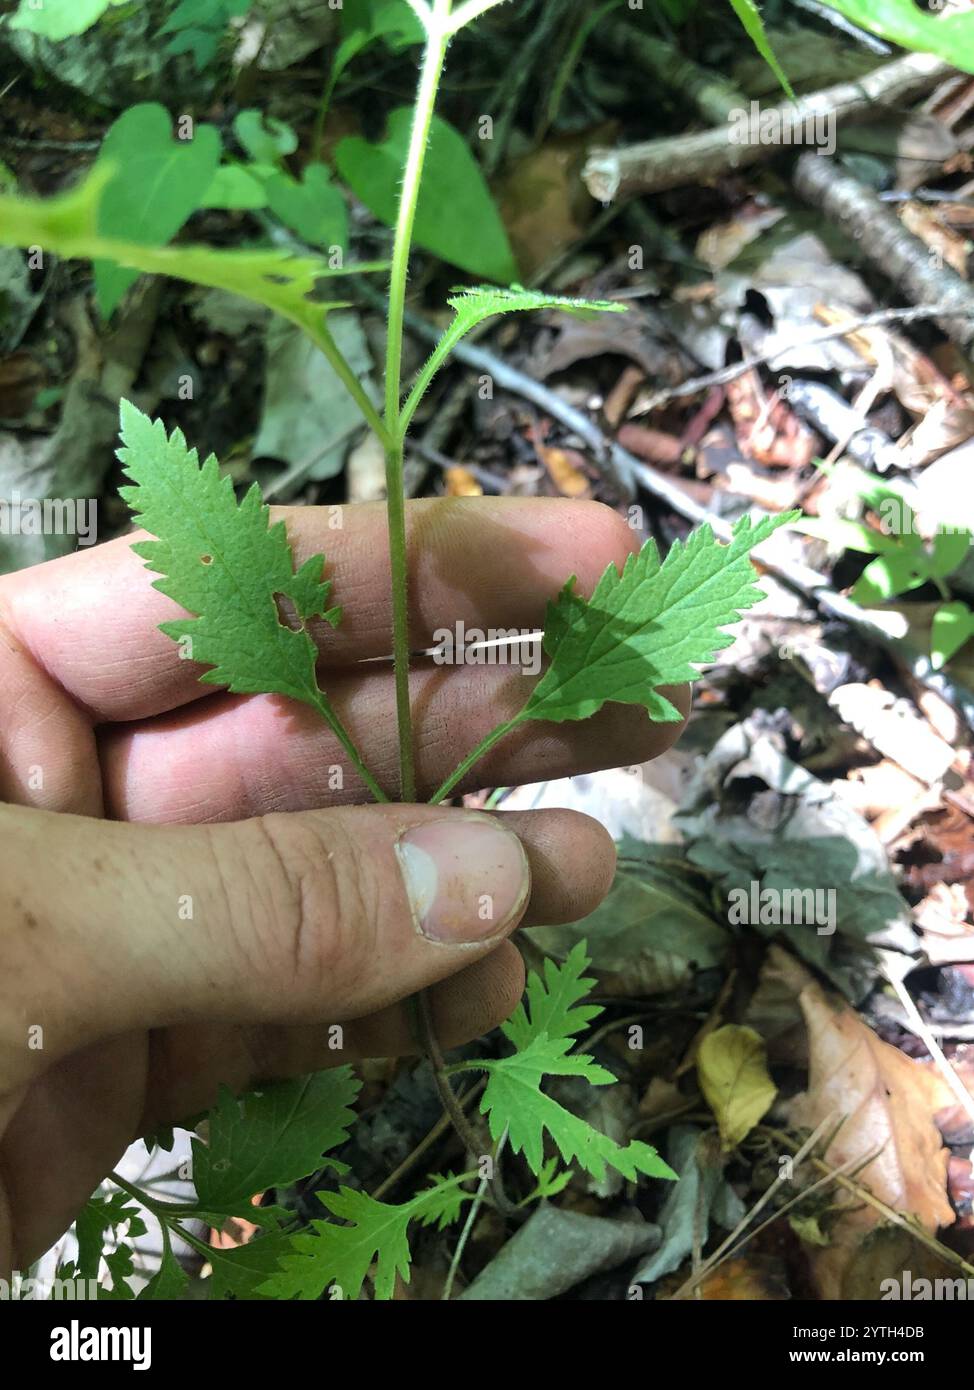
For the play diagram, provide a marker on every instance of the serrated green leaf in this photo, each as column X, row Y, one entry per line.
column 550, row 1182
column 553, row 1002
column 170, row 1280
column 224, row 562
column 648, row 626
column 121, row 1264
column 233, row 571
column 472, row 304
column 271, row 1137
column 338, row 1258
column 479, row 302
column 97, row 1216
column 288, row 284
column 155, row 183
column 239, row 1273
column 455, row 215
column 514, row 1102
column 60, row 19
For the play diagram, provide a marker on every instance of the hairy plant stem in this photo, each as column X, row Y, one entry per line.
column 345, row 739
column 434, row 52
column 474, row 1146
column 438, row 27
column 483, row 747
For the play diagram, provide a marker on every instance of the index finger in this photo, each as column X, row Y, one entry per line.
column 90, row 619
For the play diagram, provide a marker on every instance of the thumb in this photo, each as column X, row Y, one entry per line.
column 308, row 917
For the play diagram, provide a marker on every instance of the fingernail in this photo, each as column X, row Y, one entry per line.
column 466, row 877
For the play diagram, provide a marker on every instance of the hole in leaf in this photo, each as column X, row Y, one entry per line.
column 287, row 614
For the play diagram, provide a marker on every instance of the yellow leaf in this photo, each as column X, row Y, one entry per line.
column 733, row 1074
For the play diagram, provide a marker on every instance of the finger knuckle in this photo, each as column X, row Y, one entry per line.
column 324, row 913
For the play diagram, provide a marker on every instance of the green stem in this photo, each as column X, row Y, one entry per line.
column 159, row 1209
column 483, row 747
column 323, row 340
column 345, row 739
column 431, row 366
column 398, row 563
column 470, row 11
column 433, row 55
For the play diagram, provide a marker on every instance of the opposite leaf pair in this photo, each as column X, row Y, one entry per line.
column 641, row 630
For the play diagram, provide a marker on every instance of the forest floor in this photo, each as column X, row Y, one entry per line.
column 795, row 876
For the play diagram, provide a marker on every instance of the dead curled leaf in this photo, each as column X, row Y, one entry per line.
column 889, row 1102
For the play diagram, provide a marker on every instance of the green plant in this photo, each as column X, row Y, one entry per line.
column 904, row 560
column 61, row 19
column 750, row 16
column 198, row 26
column 643, row 629
column 949, row 35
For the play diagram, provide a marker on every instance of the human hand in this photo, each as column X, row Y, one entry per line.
column 164, row 928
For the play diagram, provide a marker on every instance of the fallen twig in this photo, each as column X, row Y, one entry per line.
column 656, row 165
column 721, row 377
column 900, row 255
column 709, row 92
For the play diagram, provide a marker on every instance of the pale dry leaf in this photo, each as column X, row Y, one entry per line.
column 460, row 482
column 944, row 921
column 889, row 1102
column 563, row 469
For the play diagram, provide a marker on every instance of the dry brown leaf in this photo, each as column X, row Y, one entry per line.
column 887, row 1253
column 889, row 1102
column 947, row 246
column 21, row 377
column 944, row 921
column 564, row 466
column 873, row 789
column 629, row 335
column 768, row 430
column 655, row 446
column 460, row 483
column 662, row 1099
column 777, row 494
column 773, row 1008
column 543, row 202
column 720, row 245
column 945, row 426
column 751, row 1278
